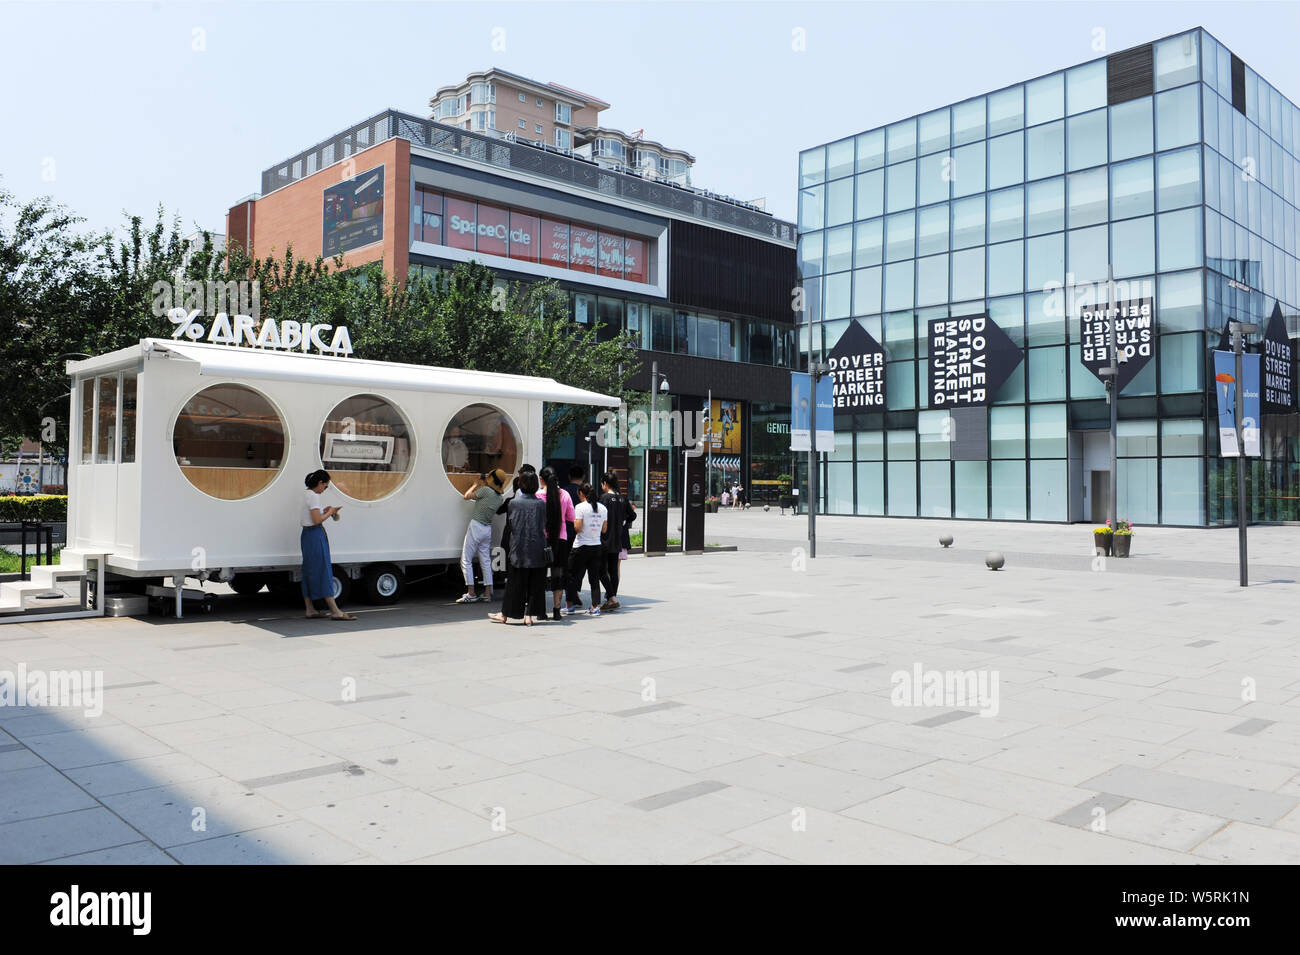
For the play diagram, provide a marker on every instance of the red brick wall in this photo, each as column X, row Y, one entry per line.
column 293, row 216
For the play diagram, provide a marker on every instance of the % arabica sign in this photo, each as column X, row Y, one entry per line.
column 244, row 330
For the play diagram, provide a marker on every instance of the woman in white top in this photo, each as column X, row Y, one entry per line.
column 317, row 575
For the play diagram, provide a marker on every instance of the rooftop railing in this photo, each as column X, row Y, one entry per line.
column 537, row 159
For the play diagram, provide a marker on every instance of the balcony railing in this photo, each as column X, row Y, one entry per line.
column 538, row 159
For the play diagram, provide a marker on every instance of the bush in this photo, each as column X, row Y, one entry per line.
column 49, row 508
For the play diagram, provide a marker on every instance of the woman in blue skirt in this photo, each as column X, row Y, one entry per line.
column 317, row 575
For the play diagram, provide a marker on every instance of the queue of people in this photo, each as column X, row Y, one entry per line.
column 555, row 536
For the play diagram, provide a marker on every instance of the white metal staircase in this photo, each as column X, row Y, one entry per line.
column 57, row 591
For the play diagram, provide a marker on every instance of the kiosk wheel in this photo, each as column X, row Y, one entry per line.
column 383, row 584
column 342, row 583
column 247, row 584
column 285, row 588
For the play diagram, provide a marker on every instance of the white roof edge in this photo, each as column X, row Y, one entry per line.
column 122, row 356
column 234, row 362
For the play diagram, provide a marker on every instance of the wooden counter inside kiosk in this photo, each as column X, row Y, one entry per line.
column 230, row 484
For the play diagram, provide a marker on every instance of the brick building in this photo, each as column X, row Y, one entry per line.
column 704, row 282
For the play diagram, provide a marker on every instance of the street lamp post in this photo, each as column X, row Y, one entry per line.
column 1239, row 331
column 816, row 370
column 658, row 383
column 1112, row 398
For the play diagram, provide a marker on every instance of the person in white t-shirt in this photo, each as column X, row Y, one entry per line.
column 587, row 556
column 317, row 571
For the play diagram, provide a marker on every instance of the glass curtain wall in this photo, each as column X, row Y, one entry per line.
column 1010, row 204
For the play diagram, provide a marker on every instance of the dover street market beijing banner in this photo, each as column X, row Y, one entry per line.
column 1135, row 337
column 970, row 359
column 801, row 412
column 1226, row 389
column 1279, row 381
column 857, row 364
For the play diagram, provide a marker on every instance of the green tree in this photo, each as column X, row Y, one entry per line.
column 65, row 294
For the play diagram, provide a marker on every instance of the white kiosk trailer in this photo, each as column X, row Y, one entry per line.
column 187, row 460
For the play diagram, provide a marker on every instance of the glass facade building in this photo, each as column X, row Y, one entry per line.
column 1173, row 167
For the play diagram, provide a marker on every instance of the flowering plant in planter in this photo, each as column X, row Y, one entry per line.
column 1102, row 538
column 1123, row 538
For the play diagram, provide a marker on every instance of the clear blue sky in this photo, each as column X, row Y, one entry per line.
column 133, row 115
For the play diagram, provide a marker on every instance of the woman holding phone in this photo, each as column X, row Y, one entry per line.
column 317, row 573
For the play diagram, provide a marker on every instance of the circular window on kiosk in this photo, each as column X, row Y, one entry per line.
column 366, row 446
column 229, row 442
column 479, row 438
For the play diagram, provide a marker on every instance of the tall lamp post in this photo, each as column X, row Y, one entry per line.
column 1239, row 332
column 658, row 383
column 816, row 371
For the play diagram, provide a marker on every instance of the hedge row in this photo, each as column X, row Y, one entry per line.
column 52, row 508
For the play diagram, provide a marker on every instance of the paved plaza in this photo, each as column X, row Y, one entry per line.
column 742, row 708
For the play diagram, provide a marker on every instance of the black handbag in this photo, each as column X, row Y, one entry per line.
column 548, row 555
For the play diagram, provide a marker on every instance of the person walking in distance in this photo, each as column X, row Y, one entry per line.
column 559, row 522
column 486, row 495
column 589, row 521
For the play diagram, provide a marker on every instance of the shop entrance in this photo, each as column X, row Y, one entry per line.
column 1089, row 466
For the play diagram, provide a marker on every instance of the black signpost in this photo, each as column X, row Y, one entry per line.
column 1135, row 337
column 1278, row 369
column 970, row 359
column 693, row 503
column 857, row 368
column 655, row 528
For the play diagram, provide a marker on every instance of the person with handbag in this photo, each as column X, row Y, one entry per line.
column 525, row 599
column 559, row 519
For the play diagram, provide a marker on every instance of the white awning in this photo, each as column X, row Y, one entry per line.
column 224, row 361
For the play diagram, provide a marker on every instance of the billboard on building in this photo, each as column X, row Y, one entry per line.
column 1135, row 337
column 725, row 426
column 970, row 359
column 1279, row 364
column 857, row 368
column 353, row 213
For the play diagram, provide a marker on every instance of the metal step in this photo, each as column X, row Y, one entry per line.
column 26, row 600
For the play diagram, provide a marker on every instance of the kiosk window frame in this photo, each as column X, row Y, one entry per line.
column 108, row 436
column 464, row 473
column 383, row 453
column 226, row 481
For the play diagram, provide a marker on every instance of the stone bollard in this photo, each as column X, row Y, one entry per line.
column 945, row 540
column 995, row 560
